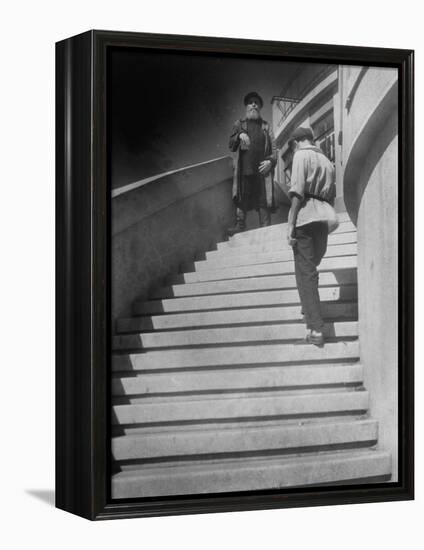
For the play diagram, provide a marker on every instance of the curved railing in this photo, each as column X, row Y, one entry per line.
column 361, row 130
column 368, row 133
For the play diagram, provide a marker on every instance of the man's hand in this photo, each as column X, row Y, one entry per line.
column 265, row 167
column 291, row 232
column 244, row 141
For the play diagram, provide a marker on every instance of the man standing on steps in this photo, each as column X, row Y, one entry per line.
column 311, row 219
column 253, row 142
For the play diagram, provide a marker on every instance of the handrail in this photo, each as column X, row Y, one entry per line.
column 132, row 186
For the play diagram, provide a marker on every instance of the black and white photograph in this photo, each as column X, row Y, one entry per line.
column 254, row 270
column 211, row 233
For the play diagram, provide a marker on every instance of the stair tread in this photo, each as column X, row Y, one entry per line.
column 254, row 405
column 343, row 222
column 226, row 248
column 233, row 355
column 253, row 257
column 248, row 316
column 251, row 284
column 276, row 232
column 237, row 379
column 239, row 300
column 238, row 426
column 251, row 474
column 242, row 439
column 275, row 268
column 227, row 335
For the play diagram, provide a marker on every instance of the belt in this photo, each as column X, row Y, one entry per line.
column 311, row 196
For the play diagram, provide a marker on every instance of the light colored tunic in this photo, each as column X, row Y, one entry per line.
column 313, row 174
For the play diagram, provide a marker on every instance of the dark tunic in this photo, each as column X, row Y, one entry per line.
column 252, row 184
column 251, row 158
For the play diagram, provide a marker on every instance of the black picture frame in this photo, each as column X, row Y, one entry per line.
column 83, row 278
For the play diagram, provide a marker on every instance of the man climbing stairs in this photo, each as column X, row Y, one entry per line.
column 210, row 395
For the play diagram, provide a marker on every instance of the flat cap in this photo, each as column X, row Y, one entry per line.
column 253, row 95
column 302, row 133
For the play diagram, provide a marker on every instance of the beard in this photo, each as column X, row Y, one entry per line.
column 252, row 113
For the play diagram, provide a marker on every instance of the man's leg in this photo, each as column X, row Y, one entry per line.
column 241, row 218
column 307, row 278
column 320, row 236
column 240, row 223
column 264, row 216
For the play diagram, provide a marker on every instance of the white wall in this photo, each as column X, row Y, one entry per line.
column 29, row 30
column 378, row 294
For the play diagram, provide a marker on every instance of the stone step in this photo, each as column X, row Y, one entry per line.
column 255, row 316
column 343, row 220
column 252, row 258
column 261, row 270
column 276, row 438
column 240, row 300
column 238, row 379
column 239, row 406
column 227, row 335
column 252, row 284
column 274, row 232
column 277, row 245
column 266, row 354
column 143, row 429
column 251, row 474
column 234, row 394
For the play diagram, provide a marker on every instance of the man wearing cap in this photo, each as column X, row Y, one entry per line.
column 253, row 142
column 311, row 219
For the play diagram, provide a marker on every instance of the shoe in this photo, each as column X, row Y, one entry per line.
column 304, row 341
column 316, row 338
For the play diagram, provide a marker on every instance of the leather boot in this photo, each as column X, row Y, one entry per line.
column 240, row 224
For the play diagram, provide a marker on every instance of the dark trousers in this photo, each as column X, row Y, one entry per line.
column 264, row 217
column 310, row 247
column 253, row 197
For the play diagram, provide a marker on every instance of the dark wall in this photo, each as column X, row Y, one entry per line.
column 171, row 110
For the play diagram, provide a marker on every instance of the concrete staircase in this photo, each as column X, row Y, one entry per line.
column 210, row 394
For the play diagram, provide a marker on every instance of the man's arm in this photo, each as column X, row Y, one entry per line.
column 234, row 137
column 271, row 160
column 273, row 156
column 296, row 194
column 296, row 203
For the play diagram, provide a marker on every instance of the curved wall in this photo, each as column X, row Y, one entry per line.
column 371, row 105
column 370, row 146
